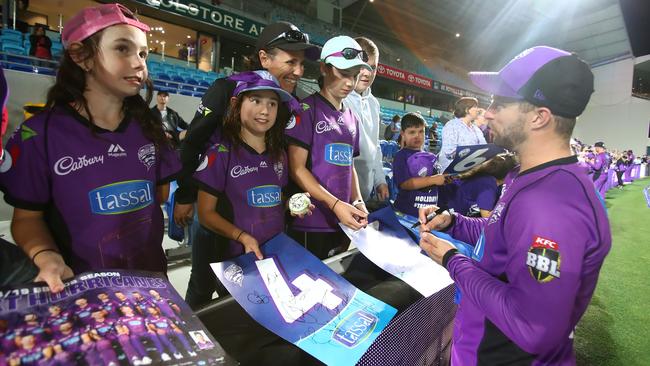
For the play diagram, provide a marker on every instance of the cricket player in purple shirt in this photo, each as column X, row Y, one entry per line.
column 103, row 334
column 33, row 327
column 83, row 311
column 414, row 171
column 141, row 304
column 57, row 317
column 600, row 166
column 244, row 172
column 132, row 331
column 323, row 140
column 69, row 338
column 8, row 339
column 166, row 330
column 109, row 306
column 30, row 352
column 96, row 161
column 537, row 257
column 166, row 306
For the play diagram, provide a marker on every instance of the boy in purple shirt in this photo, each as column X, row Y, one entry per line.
column 414, row 171
column 537, row 257
column 88, row 174
column 323, row 140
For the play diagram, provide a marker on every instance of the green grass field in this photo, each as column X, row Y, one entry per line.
column 615, row 330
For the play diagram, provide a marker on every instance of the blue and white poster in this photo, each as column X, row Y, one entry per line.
column 468, row 157
column 294, row 295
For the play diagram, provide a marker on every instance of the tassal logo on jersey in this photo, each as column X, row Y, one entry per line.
column 543, row 259
column 264, row 196
column 121, row 197
column 355, row 328
column 338, row 154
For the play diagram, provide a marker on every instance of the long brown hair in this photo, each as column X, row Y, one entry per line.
column 274, row 137
column 498, row 167
column 71, row 83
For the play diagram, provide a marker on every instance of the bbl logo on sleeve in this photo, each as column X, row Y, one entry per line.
column 355, row 328
column 543, row 259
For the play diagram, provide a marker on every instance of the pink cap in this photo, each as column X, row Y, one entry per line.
column 92, row 20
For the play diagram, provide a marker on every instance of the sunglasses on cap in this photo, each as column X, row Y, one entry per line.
column 350, row 54
column 291, row 36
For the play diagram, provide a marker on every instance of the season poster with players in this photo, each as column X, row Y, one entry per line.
column 294, row 295
column 104, row 319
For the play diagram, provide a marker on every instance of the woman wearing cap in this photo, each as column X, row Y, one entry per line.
column 460, row 131
column 323, row 139
column 88, row 174
column 281, row 50
column 244, row 172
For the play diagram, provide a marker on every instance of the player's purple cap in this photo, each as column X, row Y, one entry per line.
column 94, row 19
column 543, row 76
column 422, row 164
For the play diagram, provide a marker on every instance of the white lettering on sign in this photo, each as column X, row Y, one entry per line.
column 293, row 307
column 473, row 159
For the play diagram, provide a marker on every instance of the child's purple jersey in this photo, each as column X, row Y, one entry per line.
column 332, row 139
column 249, row 188
column 97, row 188
column 409, row 201
column 533, row 270
column 469, row 196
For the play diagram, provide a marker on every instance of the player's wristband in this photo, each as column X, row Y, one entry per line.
column 334, row 205
column 44, row 250
column 238, row 235
column 450, row 253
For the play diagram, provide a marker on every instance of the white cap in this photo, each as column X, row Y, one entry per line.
column 338, row 44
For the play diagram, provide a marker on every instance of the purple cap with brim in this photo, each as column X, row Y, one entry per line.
column 262, row 80
column 544, row 76
column 422, row 164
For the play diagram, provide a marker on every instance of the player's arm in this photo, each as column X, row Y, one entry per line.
column 414, row 183
column 32, row 235
column 534, row 307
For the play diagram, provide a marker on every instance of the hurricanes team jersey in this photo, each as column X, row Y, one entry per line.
column 332, row 139
column 410, row 201
column 135, row 324
column 469, row 196
column 249, row 188
column 98, row 189
column 533, row 270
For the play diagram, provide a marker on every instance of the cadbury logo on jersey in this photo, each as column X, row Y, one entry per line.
column 543, row 259
column 68, row 164
column 264, row 196
column 121, row 197
column 338, row 154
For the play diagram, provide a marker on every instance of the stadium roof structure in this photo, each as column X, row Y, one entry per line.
column 492, row 32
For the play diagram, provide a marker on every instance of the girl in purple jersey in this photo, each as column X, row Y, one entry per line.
column 89, row 173
column 247, row 168
column 323, row 141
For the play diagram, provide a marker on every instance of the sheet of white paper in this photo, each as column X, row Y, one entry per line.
column 401, row 258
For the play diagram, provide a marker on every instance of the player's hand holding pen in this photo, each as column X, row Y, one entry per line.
column 434, row 218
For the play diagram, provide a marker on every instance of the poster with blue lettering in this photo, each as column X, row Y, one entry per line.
column 104, row 318
column 294, row 295
column 388, row 245
column 468, row 157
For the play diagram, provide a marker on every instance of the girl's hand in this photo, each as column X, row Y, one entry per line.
column 350, row 216
column 52, row 270
column 308, row 213
column 250, row 245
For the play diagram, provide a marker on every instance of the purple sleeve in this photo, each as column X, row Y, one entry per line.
column 302, row 132
column 467, row 229
column 211, row 173
column 169, row 164
column 533, row 313
column 487, row 193
column 25, row 174
column 400, row 168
